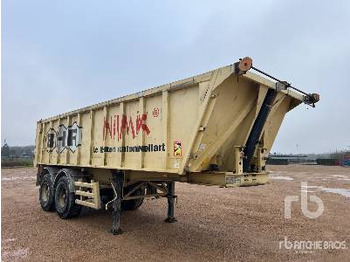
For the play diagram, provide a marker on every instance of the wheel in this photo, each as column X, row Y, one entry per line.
column 65, row 200
column 133, row 204
column 47, row 193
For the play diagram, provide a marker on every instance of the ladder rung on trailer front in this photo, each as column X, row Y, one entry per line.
column 88, row 193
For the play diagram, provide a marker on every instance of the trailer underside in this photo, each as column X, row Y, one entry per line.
column 118, row 190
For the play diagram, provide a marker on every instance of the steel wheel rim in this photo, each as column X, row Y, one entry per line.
column 45, row 192
column 62, row 197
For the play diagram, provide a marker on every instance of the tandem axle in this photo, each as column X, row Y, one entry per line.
column 66, row 190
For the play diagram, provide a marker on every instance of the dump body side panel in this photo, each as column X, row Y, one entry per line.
column 140, row 134
column 192, row 125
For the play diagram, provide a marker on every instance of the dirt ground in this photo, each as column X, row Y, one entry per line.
column 214, row 224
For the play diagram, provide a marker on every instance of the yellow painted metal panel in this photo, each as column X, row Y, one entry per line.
column 187, row 126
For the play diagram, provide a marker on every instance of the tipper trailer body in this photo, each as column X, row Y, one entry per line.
column 215, row 128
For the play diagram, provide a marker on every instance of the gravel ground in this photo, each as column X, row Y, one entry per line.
column 214, row 224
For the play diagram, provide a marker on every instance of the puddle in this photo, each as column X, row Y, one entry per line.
column 340, row 191
column 282, row 178
column 18, row 178
column 8, row 240
column 314, row 189
column 16, row 254
column 330, row 178
column 340, row 176
column 310, row 189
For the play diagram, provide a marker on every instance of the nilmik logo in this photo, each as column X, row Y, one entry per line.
column 119, row 125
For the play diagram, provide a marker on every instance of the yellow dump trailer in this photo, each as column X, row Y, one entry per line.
column 215, row 128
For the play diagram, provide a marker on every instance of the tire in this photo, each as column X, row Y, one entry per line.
column 47, row 193
column 65, row 200
column 134, row 203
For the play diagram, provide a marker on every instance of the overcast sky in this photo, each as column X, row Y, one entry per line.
column 63, row 55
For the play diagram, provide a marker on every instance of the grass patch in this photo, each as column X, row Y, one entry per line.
column 16, row 162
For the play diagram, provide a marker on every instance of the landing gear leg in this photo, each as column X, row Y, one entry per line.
column 171, row 203
column 118, row 179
